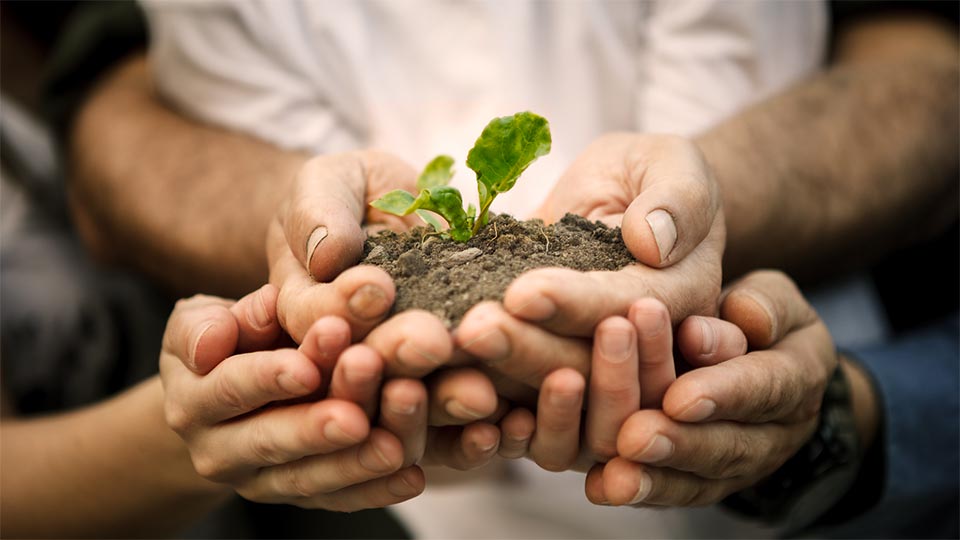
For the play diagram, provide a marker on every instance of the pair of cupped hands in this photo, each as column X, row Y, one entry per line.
column 571, row 370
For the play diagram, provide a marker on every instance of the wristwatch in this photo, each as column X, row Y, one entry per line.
column 816, row 477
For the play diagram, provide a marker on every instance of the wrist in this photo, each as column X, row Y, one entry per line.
column 863, row 398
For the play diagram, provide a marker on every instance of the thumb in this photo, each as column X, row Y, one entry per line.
column 766, row 305
column 677, row 206
column 322, row 218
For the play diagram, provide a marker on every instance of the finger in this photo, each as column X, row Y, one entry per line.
column 462, row 448
column 713, row 450
column 257, row 322
column 323, row 343
column 593, row 485
column 785, row 383
column 460, row 396
column 379, row 456
column 706, row 341
column 556, row 441
column 201, row 333
column 322, row 220
column 400, row 486
column 766, row 305
column 329, row 203
column 357, row 378
column 572, row 303
column 278, row 436
column 412, row 344
column 403, row 412
column 246, row 382
column 614, row 385
column 361, row 295
column 518, row 349
column 516, row 430
column 625, row 482
column 655, row 348
column 677, row 205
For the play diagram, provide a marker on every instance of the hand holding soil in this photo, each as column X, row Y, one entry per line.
column 316, row 239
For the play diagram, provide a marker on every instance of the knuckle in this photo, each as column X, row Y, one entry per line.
column 228, row 395
column 735, row 457
column 296, row 484
column 209, row 467
column 177, row 416
column 262, row 448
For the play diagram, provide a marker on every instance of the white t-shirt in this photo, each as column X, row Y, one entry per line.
column 422, row 77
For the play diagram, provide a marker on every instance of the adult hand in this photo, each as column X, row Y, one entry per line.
column 632, row 366
column 318, row 233
column 731, row 422
column 314, row 454
column 661, row 192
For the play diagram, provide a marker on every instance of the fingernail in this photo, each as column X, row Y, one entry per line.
column 656, row 328
column 615, row 346
column 403, row 408
column 487, row 447
column 398, row 486
column 564, row 399
column 659, row 449
column 316, row 237
column 493, row 346
column 409, row 355
column 708, row 336
column 764, row 304
column 699, row 411
column 538, row 309
column 356, row 377
column 644, row 490
column 368, row 302
column 373, row 459
column 192, row 360
column 291, row 385
column 260, row 314
column 664, row 231
column 457, row 410
column 335, row 434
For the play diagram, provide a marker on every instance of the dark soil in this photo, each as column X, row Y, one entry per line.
column 447, row 277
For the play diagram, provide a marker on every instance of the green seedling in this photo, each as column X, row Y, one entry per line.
column 507, row 146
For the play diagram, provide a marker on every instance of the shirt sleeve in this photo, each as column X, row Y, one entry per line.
column 248, row 67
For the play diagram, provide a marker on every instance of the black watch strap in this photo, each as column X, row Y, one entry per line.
column 816, row 477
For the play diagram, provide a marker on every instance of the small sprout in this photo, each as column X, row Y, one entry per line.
column 505, row 149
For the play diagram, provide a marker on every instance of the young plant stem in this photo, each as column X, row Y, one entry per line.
column 481, row 217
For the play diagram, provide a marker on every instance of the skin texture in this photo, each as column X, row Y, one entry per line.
column 140, row 484
column 902, row 127
column 313, row 454
column 667, row 448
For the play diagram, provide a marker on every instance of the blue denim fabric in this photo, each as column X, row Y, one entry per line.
column 918, row 378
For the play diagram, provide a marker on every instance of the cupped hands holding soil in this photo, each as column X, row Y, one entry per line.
column 447, row 278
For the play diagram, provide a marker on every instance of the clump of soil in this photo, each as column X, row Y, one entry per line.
column 447, row 277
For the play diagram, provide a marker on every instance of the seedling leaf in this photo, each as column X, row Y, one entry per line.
column 431, row 220
column 507, row 146
column 397, row 202
column 437, row 173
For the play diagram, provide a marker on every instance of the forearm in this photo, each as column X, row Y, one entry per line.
column 860, row 159
column 186, row 203
column 114, row 469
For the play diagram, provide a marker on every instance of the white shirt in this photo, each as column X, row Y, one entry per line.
column 422, row 77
